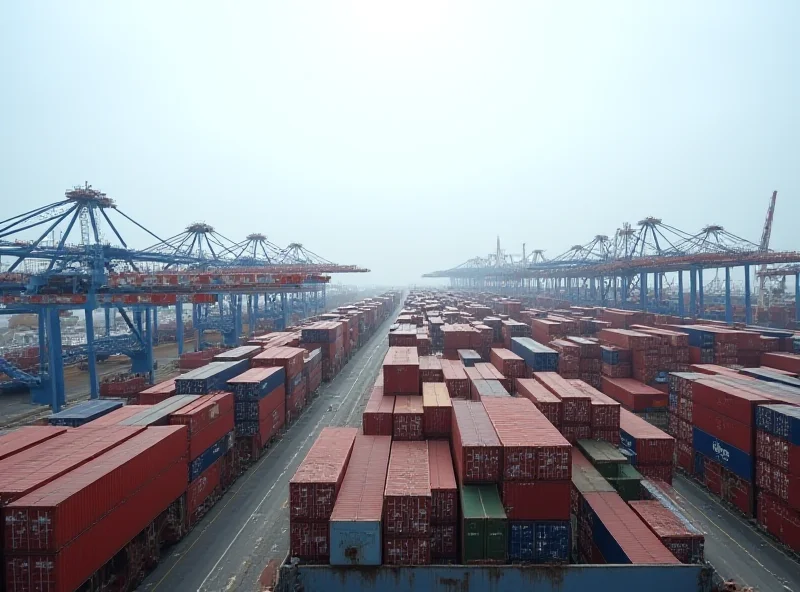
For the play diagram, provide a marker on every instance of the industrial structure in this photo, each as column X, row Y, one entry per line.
column 90, row 265
column 617, row 271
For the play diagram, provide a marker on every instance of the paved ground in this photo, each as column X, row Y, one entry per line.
column 735, row 549
column 249, row 527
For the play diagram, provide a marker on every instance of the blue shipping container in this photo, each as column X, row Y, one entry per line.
column 673, row 402
column 733, row 459
column 255, row 391
column 210, row 456
column 610, row 356
column 538, row 357
column 780, row 420
column 208, row 378
column 365, row 536
column 539, row 542
column 768, row 376
column 627, row 445
column 83, row 413
column 469, row 357
column 606, row 543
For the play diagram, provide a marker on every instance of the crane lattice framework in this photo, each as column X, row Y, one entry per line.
column 71, row 255
column 615, row 271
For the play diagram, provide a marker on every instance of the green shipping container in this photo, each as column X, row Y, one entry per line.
column 604, row 456
column 484, row 530
column 628, row 483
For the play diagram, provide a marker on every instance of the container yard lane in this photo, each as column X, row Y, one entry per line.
column 230, row 549
column 733, row 547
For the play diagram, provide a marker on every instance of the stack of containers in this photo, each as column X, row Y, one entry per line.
column 585, row 479
column 644, row 351
column 543, row 400
column 468, row 357
column 535, row 481
column 244, row 352
column 291, row 360
column 496, row 325
column 682, row 539
column 312, row 370
column 605, row 413
column 377, row 418
column 509, row 364
column 490, row 372
column 456, row 380
column 484, row 526
column 511, row 329
column 401, row 371
column 423, row 341
column 435, row 324
column 546, row 330
column 405, row 335
column 430, row 369
column 444, row 503
column 645, row 401
column 329, row 337
column 781, row 361
column 576, row 406
column 313, row 491
column 437, row 410
column 673, row 348
column 480, row 388
column 459, row 336
column 778, row 471
column 407, row 505
column 616, row 361
column 55, row 540
column 209, row 425
column 476, row 448
column 680, row 419
column 407, row 418
column 538, row 357
column 649, row 449
column 26, row 437
column 259, row 409
column 83, row 413
column 723, row 437
column 157, row 393
column 569, row 358
column 356, row 520
column 209, row 378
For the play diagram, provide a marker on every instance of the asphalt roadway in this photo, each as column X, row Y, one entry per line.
column 736, row 549
column 231, row 547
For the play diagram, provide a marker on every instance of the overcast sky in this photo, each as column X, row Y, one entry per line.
column 405, row 136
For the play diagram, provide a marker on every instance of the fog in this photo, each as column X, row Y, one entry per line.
column 406, row 136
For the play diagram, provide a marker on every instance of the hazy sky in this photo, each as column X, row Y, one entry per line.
column 405, row 136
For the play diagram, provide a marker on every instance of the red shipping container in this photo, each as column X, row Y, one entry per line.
column 27, row 437
column 309, row 541
column 32, row 468
column 401, row 371
column 604, row 410
column 378, row 416
column 407, row 497
column 533, row 449
column 76, row 562
column 315, row 484
column 406, row 551
column 652, row 446
column 444, row 542
column 633, row 394
column 408, row 418
column 430, row 369
column 208, row 419
column 536, row 500
column 685, row 543
column 291, row 358
column 508, row 363
column 476, row 447
column 544, row 400
column 728, row 430
column 444, row 491
column 159, row 392
column 296, row 402
column 576, row 406
column 455, row 377
column 573, row 432
column 202, row 489
column 782, row 361
column 437, row 409
column 610, row 435
column 737, row 403
column 661, row 472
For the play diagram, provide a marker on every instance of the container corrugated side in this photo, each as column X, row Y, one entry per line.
column 444, row 490
column 27, row 437
column 477, row 450
column 437, row 410
column 407, row 496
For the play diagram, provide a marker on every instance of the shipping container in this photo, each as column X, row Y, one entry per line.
column 316, row 482
column 646, row 444
column 401, row 371
column 532, row 448
column 16, row 441
column 208, row 419
column 115, row 417
column 309, row 540
column 480, row 388
column 355, row 524
column 257, row 383
column 407, row 550
column 408, row 417
column 476, row 448
column 780, row 420
column 437, row 409
column 208, row 378
column 444, row 543
column 603, row 456
column 469, row 357
column 378, row 419
column 737, row 461
column 160, row 413
column 430, row 369
column 289, row 358
column 736, row 403
column 627, row 482
column 536, row 500
column 544, row 400
column 245, row 352
column 538, row 357
column 444, row 491
column 634, row 395
column 157, row 393
column 576, row 408
column 539, row 542
column 210, row 455
column 674, row 531
column 733, row 432
column 407, row 497
column 455, row 378
column 83, row 413
column 484, row 526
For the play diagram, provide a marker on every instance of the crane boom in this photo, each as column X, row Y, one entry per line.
column 764, row 246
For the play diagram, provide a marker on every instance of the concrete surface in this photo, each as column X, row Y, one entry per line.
column 234, row 543
column 735, row 548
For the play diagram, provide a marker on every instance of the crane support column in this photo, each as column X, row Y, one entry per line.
column 56, row 359
column 680, row 293
column 693, row 292
column 700, row 307
column 728, row 305
column 250, row 318
column 748, row 308
column 149, row 344
column 107, row 312
column 155, row 324
column 655, row 289
column 43, row 357
column 179, row 326
column 284, row 311
column 643, row 289
column 93, row 385
column 796, row 297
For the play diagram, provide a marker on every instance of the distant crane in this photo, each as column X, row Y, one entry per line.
column 764, row 247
